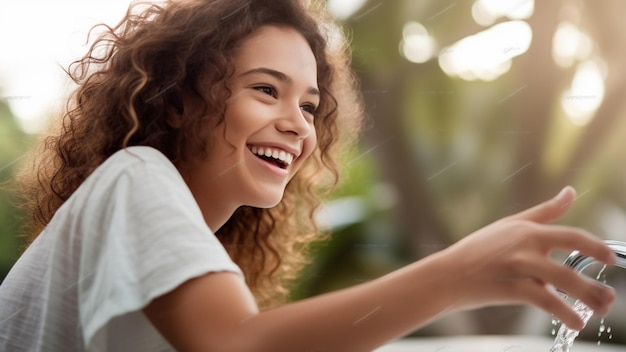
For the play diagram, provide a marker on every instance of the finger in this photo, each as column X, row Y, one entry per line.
column 595, row 295
column 549, row 210
column 559, row 237
column 544, row 297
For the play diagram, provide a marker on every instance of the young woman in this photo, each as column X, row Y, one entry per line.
column 178, row 197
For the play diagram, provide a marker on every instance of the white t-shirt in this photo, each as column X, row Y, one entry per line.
column 131, row 232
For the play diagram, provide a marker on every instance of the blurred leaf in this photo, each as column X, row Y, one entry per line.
column 13, row 145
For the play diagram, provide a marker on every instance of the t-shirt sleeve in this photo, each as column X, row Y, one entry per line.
column 142, row 235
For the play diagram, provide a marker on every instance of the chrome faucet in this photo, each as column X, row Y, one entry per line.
column 579, row 262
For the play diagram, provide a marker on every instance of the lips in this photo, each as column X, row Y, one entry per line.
column 274, row 155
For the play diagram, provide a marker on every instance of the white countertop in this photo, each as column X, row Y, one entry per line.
column 513, row 343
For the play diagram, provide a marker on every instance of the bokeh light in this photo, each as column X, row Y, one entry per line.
column 416, row 45
column 486, row 12
column 344, row 8
column 585, row 93
column 486, row 55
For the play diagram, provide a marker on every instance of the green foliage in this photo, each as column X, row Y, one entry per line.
column 13, row 144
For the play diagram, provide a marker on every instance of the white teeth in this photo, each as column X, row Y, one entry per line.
column 275, row 153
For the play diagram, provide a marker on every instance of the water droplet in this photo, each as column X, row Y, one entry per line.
column 608, row 329
column 602, row 328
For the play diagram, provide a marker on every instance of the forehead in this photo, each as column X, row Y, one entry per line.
column 279, row 48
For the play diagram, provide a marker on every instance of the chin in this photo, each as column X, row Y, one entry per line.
column 269, row 201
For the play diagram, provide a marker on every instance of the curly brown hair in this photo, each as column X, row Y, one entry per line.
column 130, row 83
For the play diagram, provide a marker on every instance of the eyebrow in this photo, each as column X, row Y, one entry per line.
column 279, row 76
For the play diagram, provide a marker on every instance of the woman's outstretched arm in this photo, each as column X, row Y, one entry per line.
column 503, row 263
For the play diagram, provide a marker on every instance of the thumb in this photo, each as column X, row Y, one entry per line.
column 549, row 210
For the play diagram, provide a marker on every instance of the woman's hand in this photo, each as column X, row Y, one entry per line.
column 508, row 262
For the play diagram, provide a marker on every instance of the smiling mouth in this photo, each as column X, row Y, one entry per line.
column 275, row 156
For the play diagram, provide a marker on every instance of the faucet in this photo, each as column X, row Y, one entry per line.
column 579, row 262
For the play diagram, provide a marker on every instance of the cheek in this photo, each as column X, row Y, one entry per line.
column 235, row 128
column 309, row 144
column 308, row 147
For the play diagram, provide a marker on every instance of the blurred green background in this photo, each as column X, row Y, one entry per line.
column 475, row 109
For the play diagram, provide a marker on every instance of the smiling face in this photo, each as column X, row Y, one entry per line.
column 268, row 131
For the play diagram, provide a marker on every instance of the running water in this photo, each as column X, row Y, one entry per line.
column 565, row 337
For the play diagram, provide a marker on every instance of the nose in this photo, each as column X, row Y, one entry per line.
column 293, row 120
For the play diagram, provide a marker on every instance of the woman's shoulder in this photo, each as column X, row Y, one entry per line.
column 136, row 161
column 133, row 171
column 139, row 155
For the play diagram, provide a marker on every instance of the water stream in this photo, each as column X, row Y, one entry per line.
column 566, row 336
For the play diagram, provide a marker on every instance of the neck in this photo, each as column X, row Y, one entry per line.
column 215, row 204
column 215, row 214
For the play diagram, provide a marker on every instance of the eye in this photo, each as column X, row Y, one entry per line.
column 309, row 108
column 269, row 90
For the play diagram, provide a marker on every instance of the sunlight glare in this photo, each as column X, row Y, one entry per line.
column 486, row 55
column 343, row 9
column 486, row 12
column 569, row 44
column 417, row 45
column 585, row 94
column 39, row 37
